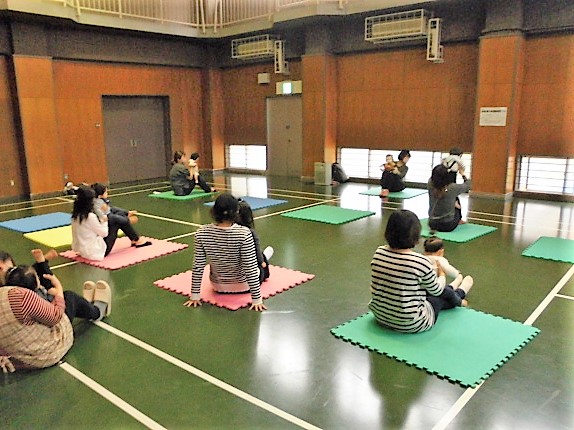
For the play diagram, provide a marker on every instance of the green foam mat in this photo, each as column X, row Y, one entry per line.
column 328, row 214
column 407, row 193
column 169, row 195
column 465, row 346
column 551, row 248
column 463, row 233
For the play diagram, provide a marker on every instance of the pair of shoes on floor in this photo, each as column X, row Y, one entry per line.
column 141, row 245
column 100, row 294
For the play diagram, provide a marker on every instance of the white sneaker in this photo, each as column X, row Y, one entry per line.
column 268, row 252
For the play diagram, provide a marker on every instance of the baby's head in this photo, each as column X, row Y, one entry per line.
column 22, row 276
column 245, row 215
column 434, row 246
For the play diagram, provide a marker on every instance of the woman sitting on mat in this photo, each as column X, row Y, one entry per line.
column 444, row 205
column 182, row 181
column 91, row 238
column 229, row 250
column 392, row 179
column 36, row 333
column 407, row 295
column 118, row 219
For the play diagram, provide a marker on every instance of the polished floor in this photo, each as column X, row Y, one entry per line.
column 156, row 364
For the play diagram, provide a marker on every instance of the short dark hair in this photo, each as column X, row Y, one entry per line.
column 404, row 153
column 22, row 276
column 403, row 230
column 433, row 244
column 177, row 155
column 455, row 151
column 99, row 188
column 225, row 208
column 194, row 156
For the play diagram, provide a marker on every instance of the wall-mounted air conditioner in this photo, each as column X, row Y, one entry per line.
column 262, row 45
column 396, row 26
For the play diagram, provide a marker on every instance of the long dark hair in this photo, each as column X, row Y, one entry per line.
column 245, row 215
column 439, row 180
column 84, row 203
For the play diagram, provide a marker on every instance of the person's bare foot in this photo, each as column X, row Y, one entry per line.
column 50, row 255
column 461, row 222
column 133, row 219
column 38, row 255
column 464, row 303
column 130, row 213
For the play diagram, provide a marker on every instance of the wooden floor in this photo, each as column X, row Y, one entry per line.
column 143, row 367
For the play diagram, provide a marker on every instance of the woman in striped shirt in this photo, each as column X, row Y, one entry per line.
column 230, row 251
column 407, row 295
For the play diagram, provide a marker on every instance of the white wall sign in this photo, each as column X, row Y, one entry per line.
column 493, row 116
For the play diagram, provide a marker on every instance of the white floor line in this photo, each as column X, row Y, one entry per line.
column 469, row 393
column 192, row 224
column 208, row 378
column 112, row 398
column 31, row 207
column 562, row 296
column 296, row 209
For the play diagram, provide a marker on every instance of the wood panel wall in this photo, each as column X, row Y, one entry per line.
column 79, row 88
column 547, row 105
column 244, row 102
column 398, row 99
column 12, row 154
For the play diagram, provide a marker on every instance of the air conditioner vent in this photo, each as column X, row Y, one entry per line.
column 253, row 47
column 397, row 26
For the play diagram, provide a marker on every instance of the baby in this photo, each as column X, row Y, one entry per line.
column 434, row 250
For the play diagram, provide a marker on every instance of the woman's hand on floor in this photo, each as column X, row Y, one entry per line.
column 192, row 303
column 259, row 307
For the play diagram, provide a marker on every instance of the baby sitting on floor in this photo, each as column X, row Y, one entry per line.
column 434, row 250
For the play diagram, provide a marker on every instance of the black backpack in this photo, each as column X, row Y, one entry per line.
column 338, row 174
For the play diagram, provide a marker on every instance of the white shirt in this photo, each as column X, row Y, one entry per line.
column 88, row 237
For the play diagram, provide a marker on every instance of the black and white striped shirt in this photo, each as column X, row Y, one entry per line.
column 230, row 252
column 400, row 281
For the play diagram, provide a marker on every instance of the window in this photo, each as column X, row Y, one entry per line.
column 365, row 163
column 248, row 157
column 545, row 175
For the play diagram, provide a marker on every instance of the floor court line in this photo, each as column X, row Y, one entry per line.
column 469, row 393
column 111, row 397
column 207, row 377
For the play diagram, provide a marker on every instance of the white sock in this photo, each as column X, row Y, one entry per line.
column 102, row 307
column 268, row 252
column 466, row 284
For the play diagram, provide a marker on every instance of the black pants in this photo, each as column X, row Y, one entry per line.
column 188, row 188
column 448, row 299
column 118, row 220
column 392, row 182
column 77, row 306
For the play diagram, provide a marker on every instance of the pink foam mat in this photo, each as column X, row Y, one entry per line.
column 280, row 279
column 124, row 255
